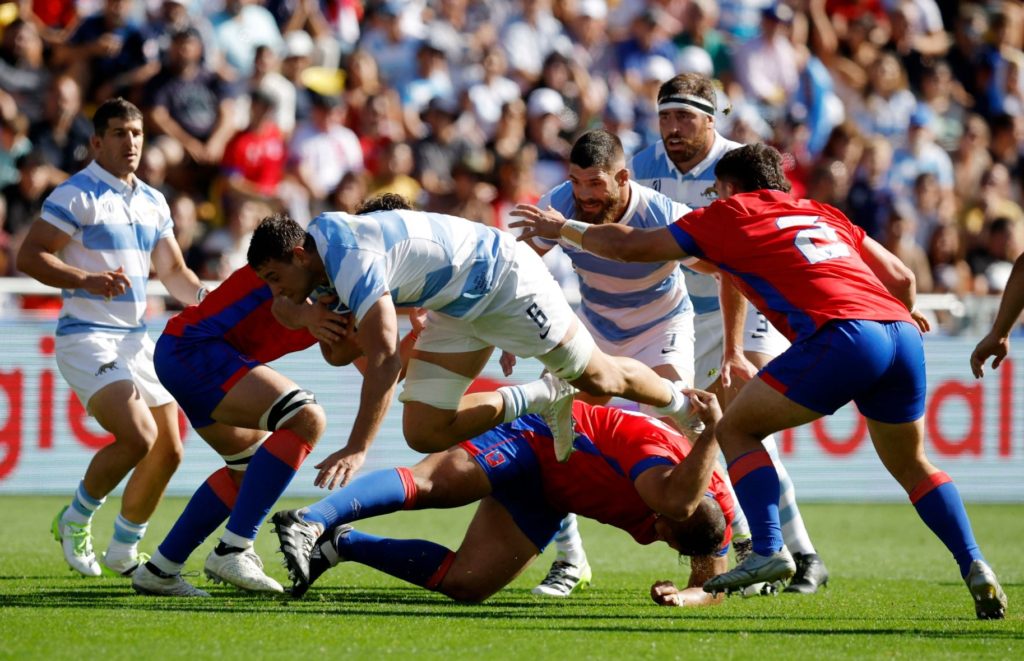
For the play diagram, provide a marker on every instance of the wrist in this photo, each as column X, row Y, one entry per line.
column 201, row 294
column 572, row 232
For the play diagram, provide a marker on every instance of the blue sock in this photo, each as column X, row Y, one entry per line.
column 83, row 506
column 372, row 494
column 757, row 486
column 938, row 503
column 127, row 532
column 270, row 471
column 209, row 506
column 417, row 561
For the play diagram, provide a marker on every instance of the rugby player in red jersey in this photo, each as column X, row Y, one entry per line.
column 628, row 470
column 847, row 304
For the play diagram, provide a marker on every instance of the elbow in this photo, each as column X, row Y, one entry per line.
column 681, row 509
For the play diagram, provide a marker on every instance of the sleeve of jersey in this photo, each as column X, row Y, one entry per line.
column 359, row 278
column 166, row 229
column 634, row 441
column 65, row 208
column 686, row 232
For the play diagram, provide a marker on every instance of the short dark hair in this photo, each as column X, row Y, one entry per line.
column 383, row 202
column 274, row 239
column 704, row 532
column 116, row 108
column 689, row 83
column 753, row 167
column 598, row 148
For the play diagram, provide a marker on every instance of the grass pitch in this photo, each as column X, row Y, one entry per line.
column 895, row 592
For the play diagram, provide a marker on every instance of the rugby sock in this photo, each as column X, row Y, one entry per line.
column 569, row 544
column 82, row 507
column 126, row 538
column 938, row 503
column 270, row 471
column 210, row 505
column 794, row 533
column 417, row 561
column 525, row 398
column 373, row 494
column 757, row 487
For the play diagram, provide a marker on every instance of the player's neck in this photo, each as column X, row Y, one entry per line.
column 684, row 167
column 128, row 178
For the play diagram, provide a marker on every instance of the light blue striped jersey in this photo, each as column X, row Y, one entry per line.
column 429, row 260
column 652, row 167
column 622, row 300
column 112, row 224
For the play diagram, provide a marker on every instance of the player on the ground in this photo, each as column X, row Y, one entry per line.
column 848, row 306
column 98, row 236
column 640, row 311
column 682, row 166
column 996, row 344
column 483, row 289
column 632, row 472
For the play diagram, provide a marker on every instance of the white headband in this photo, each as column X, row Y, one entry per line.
column 687, row 102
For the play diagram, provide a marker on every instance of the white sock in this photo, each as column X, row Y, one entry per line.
column 237, row 541
column 569, row 544
column 794, row 533
column 530, row 397
column 165, row 565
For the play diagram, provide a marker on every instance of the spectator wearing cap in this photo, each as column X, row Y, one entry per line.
column 192, row 107
column 544, row 109
column 297, row 57
column 25, row 198
column 441, row 147
column 698, row 31
column 648, row 40
column 391, row 47
column 766, row 66
column 494, row 90
column 432, row 80
column 254, row 160
column 323, row 150
column 109, row 54
column 921, row 154
column 529, row 38
column 240, row 28
column 63, row 132
column 24, row 75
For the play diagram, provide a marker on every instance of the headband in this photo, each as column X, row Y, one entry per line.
column 688, row 102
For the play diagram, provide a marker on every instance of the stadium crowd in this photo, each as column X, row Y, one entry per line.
column 906, row 114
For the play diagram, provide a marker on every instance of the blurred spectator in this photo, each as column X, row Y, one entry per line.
column 921, row 154
column 1004, row 145
column 392, row 49
column 267, row 80
column 468, row 198
column 514, row 185
column 298, row 50
column 350, row 193
column 619, row 118
column 109, row 54
column 900, row 240
column 191, row 106
column 240, row 28
column 827, row 183
column 172, row 17
column 187, row 229
column 766, row 66
column 648, row 39
column 991, row 201
column 928, row 208
column 25, row 198
column 396, row 175
column 323, row 150
column 939, row 94
column 529, row 38
column 870, row 201
column 510, row 132
column 441, row 148
column 153, row 170
column 493, row 91
column 645, row 111
column 14, row 144
column 965, row 54
column 992, row 261
column 699, row 30
column 362, row 82
column 573, row 83
column 916, row 36
column 431, row 81
column 54, row 20
column 62, row 133
column 888, row 103
column 23, row 74
column 544, row 110
column 254, row 159
column 946, row 253
column 225, row 247
column 971, row 158
column 592, row 49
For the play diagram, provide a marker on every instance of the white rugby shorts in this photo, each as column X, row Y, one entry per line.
column 758, row 336
column 669, row 343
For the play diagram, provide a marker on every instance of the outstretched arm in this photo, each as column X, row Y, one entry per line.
column 614, row 241
column 997, row 342
column 702, row 568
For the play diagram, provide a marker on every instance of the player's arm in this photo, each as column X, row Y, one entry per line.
column 378, row 338
column 702, row 569
column 613, row 241
column 734, row 316
column 38, row 259
column 997, row 342
column 895, row 276
column 675, row 491
column 182, row 283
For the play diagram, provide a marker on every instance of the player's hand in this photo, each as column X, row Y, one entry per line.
column 507, row 362
column 705, row 405
column 921, row 320
column 737, row 370
column 338, row 468
column 109, row 284
column 418, row 319
column 989, row 347
column 665, row 593
column 546, row 224
column 327, row 326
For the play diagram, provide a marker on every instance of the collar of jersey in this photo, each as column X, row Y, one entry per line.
column 119, row 186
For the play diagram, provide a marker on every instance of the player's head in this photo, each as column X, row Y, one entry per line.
column 599, row 178
column 701, row 534
column 686, row 118
column 117, row 136
column 284, row 256
column 384, row 202
column 750, row 168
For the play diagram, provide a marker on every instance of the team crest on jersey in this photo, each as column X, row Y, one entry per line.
column 710, row 193
column 494, row 458
column 106, row 367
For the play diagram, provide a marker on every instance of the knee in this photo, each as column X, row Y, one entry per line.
column 138, row 442
column 425, row 440
column 309, row 422
column 464, row 590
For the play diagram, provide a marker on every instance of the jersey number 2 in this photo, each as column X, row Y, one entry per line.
column 818, row 242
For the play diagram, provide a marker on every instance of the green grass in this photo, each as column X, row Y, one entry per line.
column 894, row 593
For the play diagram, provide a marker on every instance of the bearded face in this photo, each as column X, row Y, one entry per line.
column 597, row 206
column 685, row 134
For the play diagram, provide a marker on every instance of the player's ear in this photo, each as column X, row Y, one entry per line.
column 622, row 177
